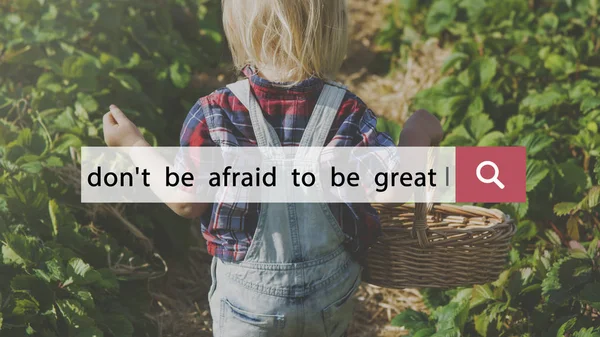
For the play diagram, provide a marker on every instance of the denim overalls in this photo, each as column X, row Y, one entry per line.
column 296, row 279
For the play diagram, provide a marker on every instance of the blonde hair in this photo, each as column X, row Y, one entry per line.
column 294, row 39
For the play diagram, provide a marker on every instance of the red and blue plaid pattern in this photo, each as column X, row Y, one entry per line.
column 229, row 228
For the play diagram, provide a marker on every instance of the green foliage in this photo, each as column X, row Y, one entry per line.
column 522, row 73
column 552, row 292
column 62, row 272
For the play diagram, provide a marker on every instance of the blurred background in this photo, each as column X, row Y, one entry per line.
column 496, row 72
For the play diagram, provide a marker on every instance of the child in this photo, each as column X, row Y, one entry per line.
column 283, row 269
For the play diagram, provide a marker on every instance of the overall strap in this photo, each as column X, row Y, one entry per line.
column 264, row 132
column 323, row 115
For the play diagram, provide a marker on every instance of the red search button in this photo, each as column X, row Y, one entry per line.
column 491, row 174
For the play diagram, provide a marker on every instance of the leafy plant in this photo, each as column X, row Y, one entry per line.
column 65, row 269
column 522, row 73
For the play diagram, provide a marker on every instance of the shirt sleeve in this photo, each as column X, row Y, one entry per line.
column 368, row 131
column 365, row 134
column 194, row 133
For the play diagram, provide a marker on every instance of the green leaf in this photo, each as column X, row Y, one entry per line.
column 564, row 277
column 181, row 74
column 526, row 230
column 521, row 60
column 474, row 8
column 590, row 103
column 476, row 106
column 78, row 67
column 451, row 105
column 54, row 211
column 573, row 175
column 451, row 332
column 87, row 102
column 594, row 247
column 440, row 15
column 481, row 295
column 25, row 307
column 127, row 81
column 427, row 332
column 33, row 167
column 479, row 125
column 557, row 64
column 568, row 325
column 582, row 90
column 536, row 171
column 521, row 208
column 109, row 61
column 533, row 287
column 457, row 140
column 56, row 270
column 73, row 312
column 82, row 273
column 590, row 332
column 66, row 120
column 81, row 113
column 86, row 298
column 459, row 137
column 535, row 143
column 543, row 102
column 564, row 208
column 37, row 289
column 411, row 320
column 553, row 237
column 482, row 323
column 594, row 196
column 517, row 123
column 494, row 138
column 573, row 227
column 451, row 316
column 65, row 142
column 11, row 257
column 452, row 60
column 22, row 250
column 487, row 71
column 53, row 161
column 548, row 21
column 49, row 64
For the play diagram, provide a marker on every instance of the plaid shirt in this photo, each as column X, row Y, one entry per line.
column 229, row 228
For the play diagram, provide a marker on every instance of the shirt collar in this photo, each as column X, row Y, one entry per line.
column 263, row 86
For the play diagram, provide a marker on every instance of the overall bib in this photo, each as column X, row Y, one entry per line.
column 296, row 279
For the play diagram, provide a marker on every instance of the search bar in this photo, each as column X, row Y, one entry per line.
column 491, row 174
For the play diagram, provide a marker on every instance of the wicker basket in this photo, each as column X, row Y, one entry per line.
column 439, row 246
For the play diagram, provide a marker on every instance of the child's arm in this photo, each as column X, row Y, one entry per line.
column 421, row 129
column 120, row 131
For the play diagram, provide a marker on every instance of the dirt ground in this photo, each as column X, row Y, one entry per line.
column 181, row 308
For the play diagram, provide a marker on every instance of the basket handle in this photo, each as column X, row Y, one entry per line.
column 420, row 226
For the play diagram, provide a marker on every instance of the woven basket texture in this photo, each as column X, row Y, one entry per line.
column 438, row 246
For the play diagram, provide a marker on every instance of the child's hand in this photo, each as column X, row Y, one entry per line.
column 421, row 129
column 120, row 131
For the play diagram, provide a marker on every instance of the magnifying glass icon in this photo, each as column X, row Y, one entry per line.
column 494, row 179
